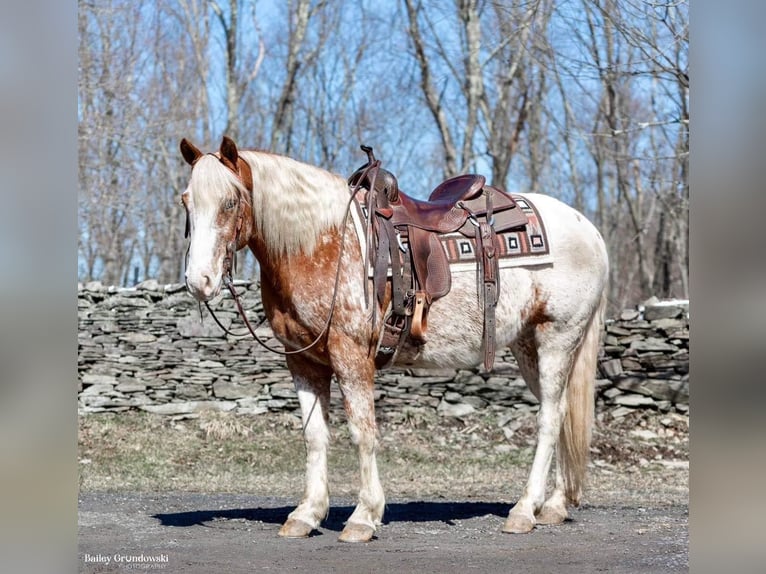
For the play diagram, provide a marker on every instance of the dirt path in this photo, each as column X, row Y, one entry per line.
column 231, row 533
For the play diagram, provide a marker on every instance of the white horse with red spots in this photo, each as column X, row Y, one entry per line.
column 293, row 216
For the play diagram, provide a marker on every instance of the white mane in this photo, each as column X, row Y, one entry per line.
column 293, row 203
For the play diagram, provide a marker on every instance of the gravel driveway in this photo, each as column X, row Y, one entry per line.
column 233, row 533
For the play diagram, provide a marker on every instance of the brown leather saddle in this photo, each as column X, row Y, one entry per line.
column 403, row 236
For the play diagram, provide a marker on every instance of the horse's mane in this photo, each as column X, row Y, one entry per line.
column 293, row 203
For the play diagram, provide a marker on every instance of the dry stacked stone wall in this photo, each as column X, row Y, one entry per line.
column 149, row 348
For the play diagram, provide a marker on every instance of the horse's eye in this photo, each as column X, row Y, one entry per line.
column 230, row 204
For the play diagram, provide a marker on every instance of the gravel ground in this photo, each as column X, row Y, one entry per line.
column 201, row 533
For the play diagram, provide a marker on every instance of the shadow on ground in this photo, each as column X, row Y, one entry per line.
column 446, row 512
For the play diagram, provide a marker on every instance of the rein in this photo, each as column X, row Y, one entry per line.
column 230, row 261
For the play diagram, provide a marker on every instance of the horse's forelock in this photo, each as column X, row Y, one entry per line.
column 211, row 183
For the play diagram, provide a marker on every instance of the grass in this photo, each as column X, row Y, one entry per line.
column 421, row 455
column 265, row 454
column 138, row 451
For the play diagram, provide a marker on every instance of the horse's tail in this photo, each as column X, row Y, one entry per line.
column 576, row 430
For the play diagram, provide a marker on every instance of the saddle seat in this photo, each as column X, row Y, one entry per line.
column 442, row 212
column 458, row 188
column 456, row 200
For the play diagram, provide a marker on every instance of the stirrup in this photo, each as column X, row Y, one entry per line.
column 419, row 321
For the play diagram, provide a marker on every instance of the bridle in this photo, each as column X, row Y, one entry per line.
column 230, row 258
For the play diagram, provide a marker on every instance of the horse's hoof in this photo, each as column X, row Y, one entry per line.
column 354, row 532
column 294, row 528
column 518, row 524
column 551, row 515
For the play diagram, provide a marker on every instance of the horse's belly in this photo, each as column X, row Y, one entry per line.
column 456, row 324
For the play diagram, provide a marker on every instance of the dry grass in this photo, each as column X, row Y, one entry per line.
column 223, row 427
column 420, row 456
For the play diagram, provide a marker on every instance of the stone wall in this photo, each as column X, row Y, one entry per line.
column 146, row 348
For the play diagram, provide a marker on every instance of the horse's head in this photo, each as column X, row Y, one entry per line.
column 218, row 215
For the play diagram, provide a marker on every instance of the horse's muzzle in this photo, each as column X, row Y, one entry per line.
column 203, row 286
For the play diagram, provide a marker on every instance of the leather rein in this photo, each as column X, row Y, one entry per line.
column 230, row 262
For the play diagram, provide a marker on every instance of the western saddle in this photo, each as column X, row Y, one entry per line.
column 403, row 236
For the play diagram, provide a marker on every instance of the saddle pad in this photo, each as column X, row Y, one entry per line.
column 527, row 245
column 518, row 247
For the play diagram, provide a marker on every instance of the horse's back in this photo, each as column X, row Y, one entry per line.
column 576, row 279
column 572, row 236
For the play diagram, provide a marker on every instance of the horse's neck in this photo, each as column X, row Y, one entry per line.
column 298, row 215
column 302, row 278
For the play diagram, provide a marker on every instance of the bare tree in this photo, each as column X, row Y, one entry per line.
column 488, row 99
column 236, row 78
column 109, row 44
column 516, row 59
column 647, row 176
column 299, row 55
column 434, row 101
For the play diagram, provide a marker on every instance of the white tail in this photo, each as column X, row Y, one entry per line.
column 576, row 430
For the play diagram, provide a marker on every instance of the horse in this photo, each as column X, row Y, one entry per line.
column 294, row 218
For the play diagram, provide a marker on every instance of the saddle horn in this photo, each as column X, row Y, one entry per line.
column 370, row 155
column 386, row 181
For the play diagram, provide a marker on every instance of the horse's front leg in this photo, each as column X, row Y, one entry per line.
column 356, row 379
column 312, row 383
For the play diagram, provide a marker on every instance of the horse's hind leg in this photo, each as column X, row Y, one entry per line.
column 355, row 378
column 548, row 382
column 574, row 441
column 554, row 510
column 312, row 383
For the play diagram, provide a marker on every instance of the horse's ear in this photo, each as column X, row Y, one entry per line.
column 190, row 153
column 229, row 150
